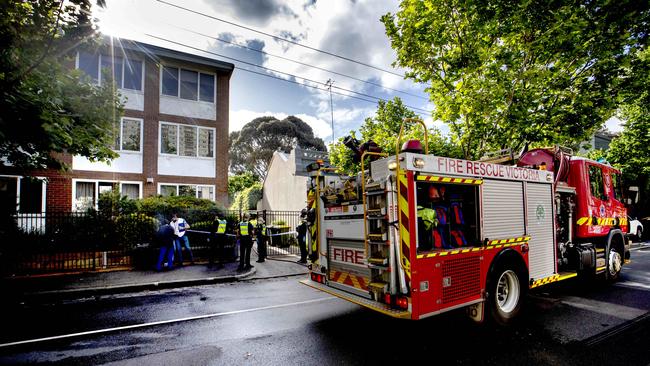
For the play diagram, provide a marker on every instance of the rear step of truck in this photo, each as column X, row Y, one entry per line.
column 373, row 305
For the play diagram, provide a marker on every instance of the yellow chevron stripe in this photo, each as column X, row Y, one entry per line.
column 446, row 179
column 403, row 230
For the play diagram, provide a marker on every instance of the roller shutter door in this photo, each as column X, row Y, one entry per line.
column 503, row 209
column 540, row 228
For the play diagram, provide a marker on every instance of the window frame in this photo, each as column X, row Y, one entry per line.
column 121, row 150
column 121, row 83
column 119, row 183
column 198, row 84
column 198, row 128
column 18, row 179
column 603, row 194
column 196, row 191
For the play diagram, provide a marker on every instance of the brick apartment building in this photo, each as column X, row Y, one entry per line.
column 172, row 139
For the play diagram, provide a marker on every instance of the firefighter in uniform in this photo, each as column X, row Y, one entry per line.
column 301, row 229
column 218, row 242
column 262, row 237
column 311, row 222
column 246, row 231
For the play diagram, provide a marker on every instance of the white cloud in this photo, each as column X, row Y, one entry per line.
column 241, row 117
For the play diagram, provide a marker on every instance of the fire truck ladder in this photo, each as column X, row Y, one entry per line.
column 376, row 232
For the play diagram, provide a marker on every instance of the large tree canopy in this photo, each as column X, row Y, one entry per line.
column 251, row 148
column 383, row 128
column 44, row 105
column 502, row 73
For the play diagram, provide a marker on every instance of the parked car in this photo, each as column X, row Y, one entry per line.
column 636, row 228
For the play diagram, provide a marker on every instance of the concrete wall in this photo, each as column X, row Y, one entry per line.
column 282, row 189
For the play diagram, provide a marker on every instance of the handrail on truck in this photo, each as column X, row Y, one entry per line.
column 397, row 171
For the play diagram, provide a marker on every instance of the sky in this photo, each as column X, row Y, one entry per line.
column 350, row 29
column 347, row 28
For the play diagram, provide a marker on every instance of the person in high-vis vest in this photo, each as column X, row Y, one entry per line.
column 218, row 242
column 311, row 221
column 262, row 237
column 245, row 232
column 429, row 220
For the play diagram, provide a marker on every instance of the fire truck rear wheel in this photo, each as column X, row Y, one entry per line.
column 614, row 264
column 505, row 294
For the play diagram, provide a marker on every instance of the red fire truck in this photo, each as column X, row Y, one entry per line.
column 424, row 234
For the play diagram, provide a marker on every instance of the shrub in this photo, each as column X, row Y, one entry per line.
column 113, row 203
column 191, row 208
column 247, row 199
column 135, row 229
column 279, row 223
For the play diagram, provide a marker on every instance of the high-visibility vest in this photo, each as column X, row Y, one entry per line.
column 254, row 222
column 243, row 228
column 221, row 229
column 263, row 230
column 428, row 216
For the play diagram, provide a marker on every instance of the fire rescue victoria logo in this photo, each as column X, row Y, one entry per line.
column 540, row 213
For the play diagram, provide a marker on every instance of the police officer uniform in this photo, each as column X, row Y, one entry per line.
column 218, row 242
column 246, row 230
column 262, row 237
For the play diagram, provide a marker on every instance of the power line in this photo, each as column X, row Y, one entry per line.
column 297, row 62
column 282, row 39
column 277, row 71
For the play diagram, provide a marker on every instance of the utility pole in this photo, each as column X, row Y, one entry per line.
column 329, row 87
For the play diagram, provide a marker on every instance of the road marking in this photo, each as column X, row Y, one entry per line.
column 144, row 325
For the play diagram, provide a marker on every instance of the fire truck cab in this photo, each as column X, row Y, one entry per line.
column 424, row 234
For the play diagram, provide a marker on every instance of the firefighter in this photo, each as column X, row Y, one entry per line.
column 218, row 242
column 262, row 237
column 301, row 229
column 311, row 222
column 245, row 232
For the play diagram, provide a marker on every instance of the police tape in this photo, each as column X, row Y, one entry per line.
column 208, row 232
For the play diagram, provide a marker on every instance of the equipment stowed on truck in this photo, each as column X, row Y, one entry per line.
column 417, row 235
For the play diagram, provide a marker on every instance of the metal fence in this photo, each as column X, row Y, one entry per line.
column 89, row 241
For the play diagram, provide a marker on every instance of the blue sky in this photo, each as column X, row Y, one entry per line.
column 348, row 28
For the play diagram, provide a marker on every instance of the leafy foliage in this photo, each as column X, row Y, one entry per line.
column 191, row 208
column 45, row 107
column 504, row 73
column 135, row 229
column 251, row 148
column 247, row 199
column 383, row 129
column 239, row 182
column 113, row 203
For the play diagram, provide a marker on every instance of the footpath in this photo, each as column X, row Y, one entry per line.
column 53, row 287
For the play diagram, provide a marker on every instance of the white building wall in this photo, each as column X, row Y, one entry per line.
column 282, row 189
column 187, row 108
column 127, row 162
column 132, row 99
column 187, row 166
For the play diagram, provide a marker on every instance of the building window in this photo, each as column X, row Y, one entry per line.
column 168, row 139
column 130, row 190
column 187, row 190
column 188, row 84
column 185, row 140
column 126, row 73
column 128, row 137
column 22, row 195
column 170, row 81
column 86, row 193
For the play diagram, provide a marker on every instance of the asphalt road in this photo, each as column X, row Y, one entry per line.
column 280, row 322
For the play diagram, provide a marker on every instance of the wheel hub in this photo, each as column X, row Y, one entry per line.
column 507, row 295
column 614, row 262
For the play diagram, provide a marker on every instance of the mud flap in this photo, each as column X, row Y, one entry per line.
column 476, row 311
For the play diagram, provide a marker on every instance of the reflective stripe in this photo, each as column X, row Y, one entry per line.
column 222, row 227
column 243, row 228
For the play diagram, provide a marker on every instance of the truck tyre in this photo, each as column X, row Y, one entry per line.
column 614, row 264
column 506, row 293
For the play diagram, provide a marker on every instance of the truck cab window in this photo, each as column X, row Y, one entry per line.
column 596, row 182
column 616, row 186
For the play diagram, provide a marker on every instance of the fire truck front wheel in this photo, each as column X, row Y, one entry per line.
column 506, row 294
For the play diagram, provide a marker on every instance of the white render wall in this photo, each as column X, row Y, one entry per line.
column 187, row 108
column 186, row 166
column 127, row 162
column 282, row 189
column 132, row 99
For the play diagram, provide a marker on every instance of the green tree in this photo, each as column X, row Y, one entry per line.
column 503, row 73
column 239, row 182
column 630, row 152
column 45, row 107
column 383, row 128
column 251, row 148
column 247, row 199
